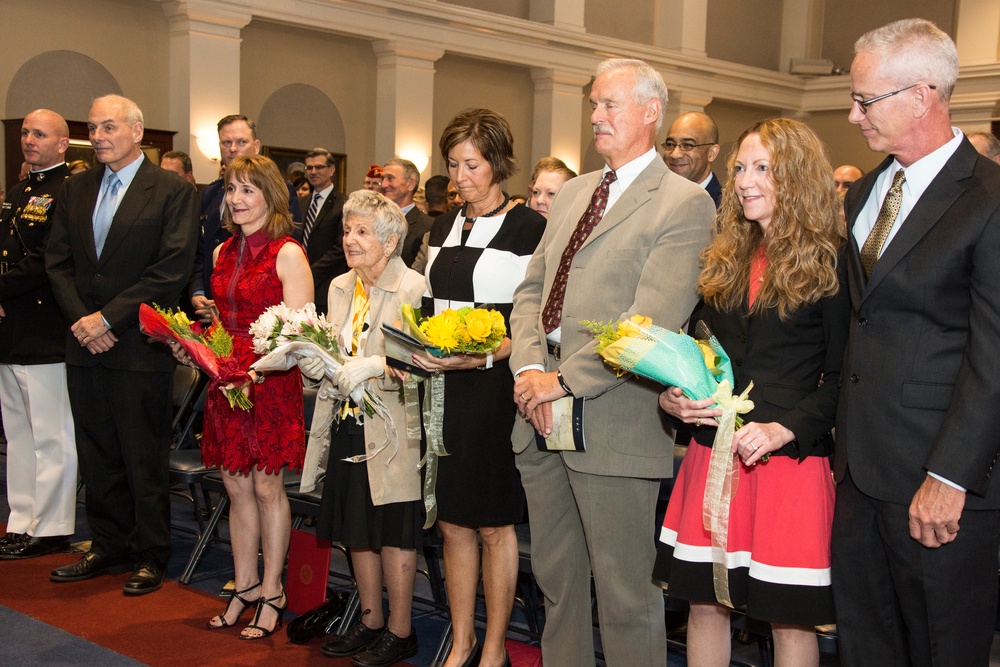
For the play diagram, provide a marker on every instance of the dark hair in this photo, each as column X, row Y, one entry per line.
column 182, row 156
column 300, row 181
column 436, row 189
column 489, row 133
column 235, row 118
column 263, row 174
column 321, row 152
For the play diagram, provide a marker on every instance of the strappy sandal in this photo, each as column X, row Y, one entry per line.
column 236, row 596
column 266, row 602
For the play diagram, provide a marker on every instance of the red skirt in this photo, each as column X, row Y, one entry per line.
column 778, row 550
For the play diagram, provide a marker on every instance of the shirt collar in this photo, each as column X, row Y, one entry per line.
column 126, row 173
column 629, row 171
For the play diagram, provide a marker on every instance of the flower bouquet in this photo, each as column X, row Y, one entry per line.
column 467, row 330
column 284, row 335
column 702, row 369
column 211, row 349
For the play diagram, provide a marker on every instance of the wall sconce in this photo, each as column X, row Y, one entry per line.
column 209, row 146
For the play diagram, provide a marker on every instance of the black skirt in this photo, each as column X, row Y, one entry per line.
column 347, row 514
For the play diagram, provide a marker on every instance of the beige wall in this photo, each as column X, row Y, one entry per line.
column 630, row 21
column 745, row 31
column 461, row 84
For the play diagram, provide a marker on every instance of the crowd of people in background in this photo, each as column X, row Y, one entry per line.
column 863, row 309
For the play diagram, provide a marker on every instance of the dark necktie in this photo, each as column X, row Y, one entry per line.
column 552, row 313
column 883, row 224
column 310, row 219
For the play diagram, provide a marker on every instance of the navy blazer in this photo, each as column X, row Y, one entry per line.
column 922, row 371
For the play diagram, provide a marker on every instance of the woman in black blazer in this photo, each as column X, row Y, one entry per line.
column 771, row 288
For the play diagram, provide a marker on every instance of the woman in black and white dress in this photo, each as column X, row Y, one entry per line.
column 478, row 255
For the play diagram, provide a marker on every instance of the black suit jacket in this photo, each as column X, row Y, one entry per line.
column 418, row 224
column 922, row 371
column 213, row 234
column 714, row 188
column 326, row 245
column 785, row 360
column 147, row 258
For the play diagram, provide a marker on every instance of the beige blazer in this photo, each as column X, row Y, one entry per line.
column 396, row 480
column 643, row 258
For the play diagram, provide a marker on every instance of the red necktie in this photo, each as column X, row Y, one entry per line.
column 552, row 313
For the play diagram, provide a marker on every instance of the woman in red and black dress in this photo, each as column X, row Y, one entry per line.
column 257, row 267
column 773, row 296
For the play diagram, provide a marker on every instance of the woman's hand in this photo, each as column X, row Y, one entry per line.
column 180, row 355
column 457, row 361
column 677, row 405
column 755, row 440
column 399, row 374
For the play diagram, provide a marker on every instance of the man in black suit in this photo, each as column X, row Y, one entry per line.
column 323, row 231
column 123, row 234
column 237, row 138
column 917, row 520
column 400, row 180
column 41, row 449
column 691, row 147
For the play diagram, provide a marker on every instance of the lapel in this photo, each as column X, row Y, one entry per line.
column 933, row 204
column 857, row 198
column 88, row 202
column 634, row 196
column 136, row 198
column 388, row 283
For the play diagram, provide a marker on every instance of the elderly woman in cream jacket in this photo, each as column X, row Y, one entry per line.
column 371, row 506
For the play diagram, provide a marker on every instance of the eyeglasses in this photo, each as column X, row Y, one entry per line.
column 864, row 104
column 317, row 167
column 685, row 146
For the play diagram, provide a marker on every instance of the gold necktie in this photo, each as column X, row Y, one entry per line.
column 886, row 217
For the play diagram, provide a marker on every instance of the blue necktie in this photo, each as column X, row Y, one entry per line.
column 310, row 219
column 106, row 212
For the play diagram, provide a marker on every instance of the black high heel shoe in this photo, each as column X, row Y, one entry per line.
column 237, row 595
column 267, row 602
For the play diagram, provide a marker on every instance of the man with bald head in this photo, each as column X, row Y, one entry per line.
column 987, row 144
column 124, row 234
column 41, row 448
column 845, row 175
column 690, row 149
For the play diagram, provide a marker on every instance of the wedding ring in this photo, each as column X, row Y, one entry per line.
column 522, row 397
column 754, row 447
column 697, row 422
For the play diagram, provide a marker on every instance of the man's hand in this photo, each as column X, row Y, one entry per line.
column 204, row 308
column 935, row 512
column 541, row 419
column 92, row 333
column 532, row 388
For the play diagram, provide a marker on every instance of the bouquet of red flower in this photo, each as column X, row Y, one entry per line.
column 211, row 349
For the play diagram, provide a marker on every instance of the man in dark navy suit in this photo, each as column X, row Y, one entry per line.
column 917, row 520
column 237, row 138
column 691, row 147
column 123, row 234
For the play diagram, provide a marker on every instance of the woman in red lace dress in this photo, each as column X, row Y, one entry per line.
column 259, row 266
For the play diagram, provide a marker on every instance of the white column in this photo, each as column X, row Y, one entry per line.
column 801, row 31
column 682, row 102
column 567, row 14
column 680, row 25
column 977, row 34
column 204, row 76
column 557, row 124
column 404, row 114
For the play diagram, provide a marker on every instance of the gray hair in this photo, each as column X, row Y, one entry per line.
column 131, row 110
column 992, row 143
column 648, row 82
column 387, row 218
column 913, row 51
column 410, row 170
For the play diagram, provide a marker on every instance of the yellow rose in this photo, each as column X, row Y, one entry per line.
column 478, row 325
column 442, row 329
column 711, row 358
column 636, row 325
column 499, row 326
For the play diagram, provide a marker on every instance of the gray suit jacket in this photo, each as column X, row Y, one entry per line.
column 641, row 258
column 921, row 379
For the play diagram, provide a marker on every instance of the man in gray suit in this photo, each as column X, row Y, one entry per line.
column 619, row 241
column 917, row 520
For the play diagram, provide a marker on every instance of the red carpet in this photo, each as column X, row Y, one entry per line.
column 164, row 628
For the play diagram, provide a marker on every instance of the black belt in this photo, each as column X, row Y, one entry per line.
column 555, row 349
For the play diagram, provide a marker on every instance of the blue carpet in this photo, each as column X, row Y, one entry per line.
column 26, row 642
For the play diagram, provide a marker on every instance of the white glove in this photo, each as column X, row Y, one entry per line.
column 357, row 370
column 312, row 367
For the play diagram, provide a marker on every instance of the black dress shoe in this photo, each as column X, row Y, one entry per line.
column 33, row 547
column 387, row 650
column 11, row 539
column 357, row 638
column 87, row 567
column 146, row 578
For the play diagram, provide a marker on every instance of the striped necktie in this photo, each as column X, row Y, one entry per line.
column 311, row 219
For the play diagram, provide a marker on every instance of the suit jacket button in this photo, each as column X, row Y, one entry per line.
column 862, row 322
column 854, row 377
column 739, row 362
column 97, row 276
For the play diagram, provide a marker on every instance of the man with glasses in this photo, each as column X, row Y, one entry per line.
column 690, row 149
column 237, row 138
column 845, row 176
column 917, row 519
column 323, row 230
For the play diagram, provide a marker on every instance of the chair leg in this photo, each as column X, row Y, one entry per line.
column 350, row 611
column 207, row 535
column 443, row 647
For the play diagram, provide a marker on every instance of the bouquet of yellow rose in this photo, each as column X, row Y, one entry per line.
column 467, row 330
column 701, row 368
